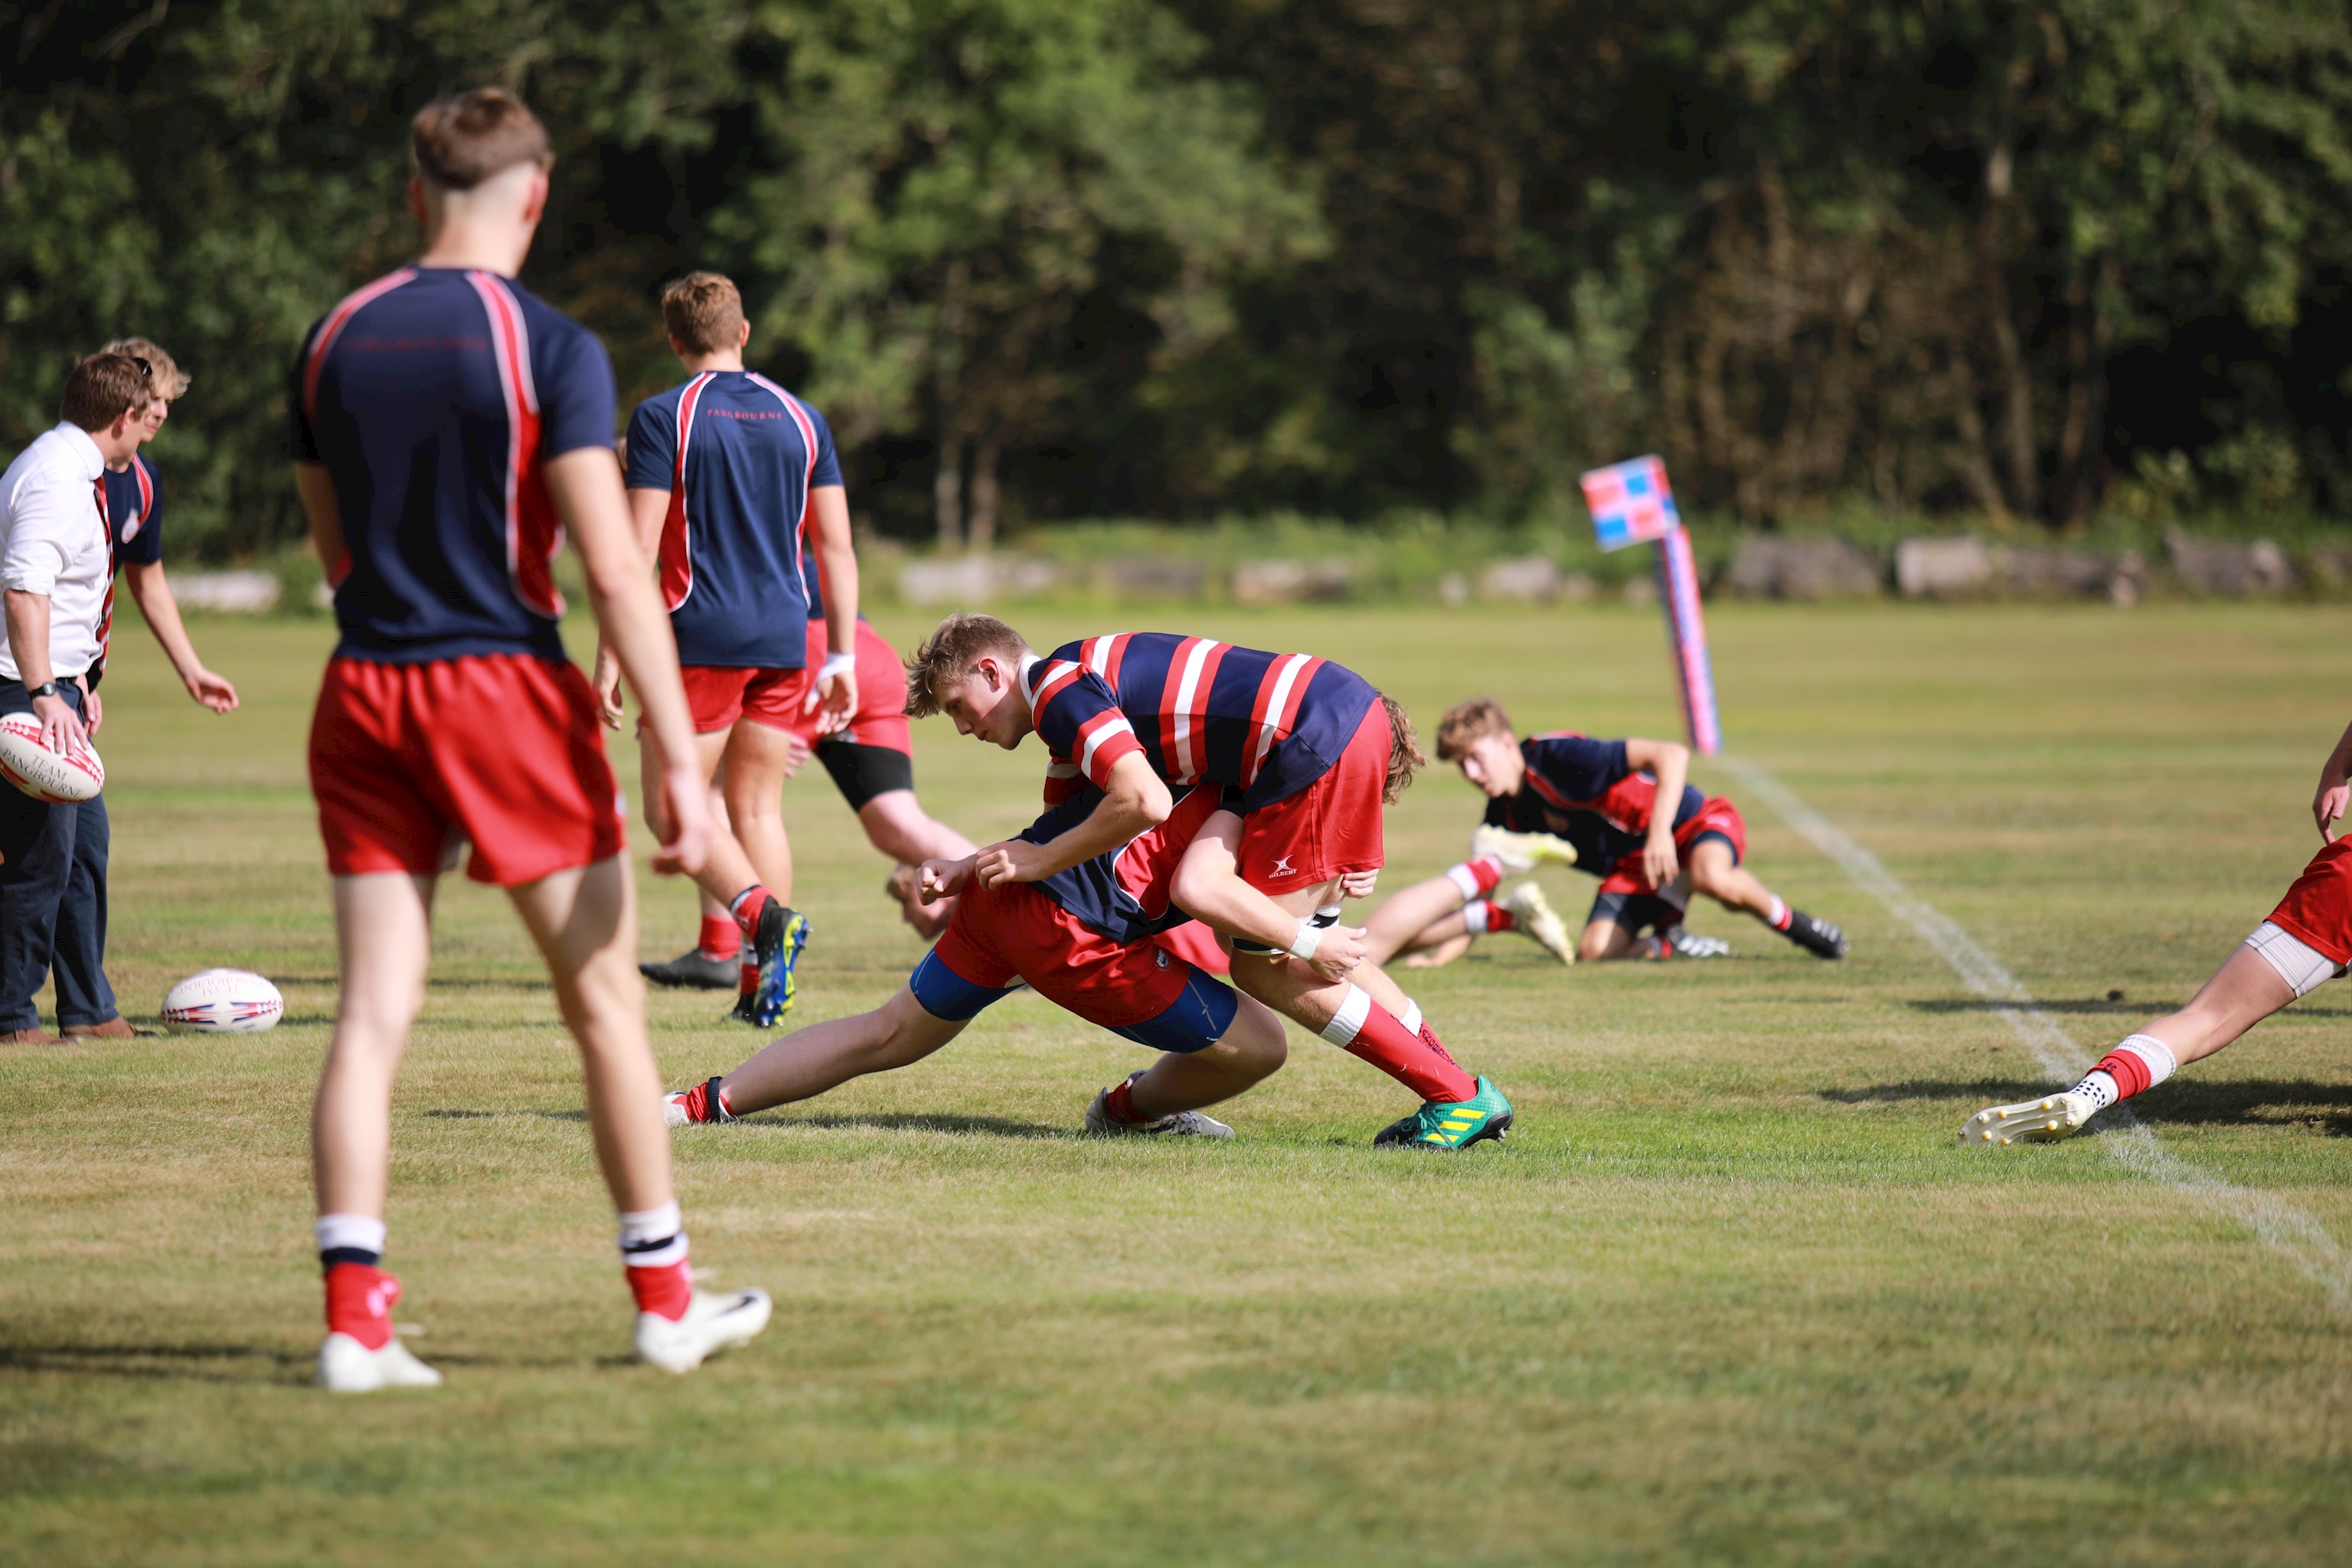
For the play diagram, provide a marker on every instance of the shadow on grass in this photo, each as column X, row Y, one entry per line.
column 199, row 1363
column 2088, row 1004
column 919, row 1122
column 2212, row 1103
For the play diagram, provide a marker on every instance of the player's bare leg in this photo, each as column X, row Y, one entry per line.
column 2244, row 991
column 1713, row 872
column 1250, row 1050
column 1604, row 939
column 748, row 846
column 1438, row 950
column 807, row 1062
column 1437, row 920
column 584, row 922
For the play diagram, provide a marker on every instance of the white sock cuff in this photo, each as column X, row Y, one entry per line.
column 1349, row 1020
column 652, row 1225
column 1411, row 1017
column 1463, row 879
column 2155, row 1053
column 1473, row 917
column 336, row 1231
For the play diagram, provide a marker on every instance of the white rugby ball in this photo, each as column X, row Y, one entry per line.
column 223, row 1002
column 59, row 778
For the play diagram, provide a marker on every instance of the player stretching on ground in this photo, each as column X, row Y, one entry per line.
column 1600, row 795
column 450, row 429
column 1434, row 922
column 2307, row 942
column 1312, row 752
column 872, row 762
column 726, row 473
column 1082, row 937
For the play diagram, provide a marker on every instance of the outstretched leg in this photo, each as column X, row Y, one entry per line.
column 2269, row 970
column 1716, row 872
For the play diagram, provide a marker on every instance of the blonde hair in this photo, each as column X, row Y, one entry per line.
column 1405, row 756
column 1468, row 721
column 166, row 377
column 949, row 654
column 704, row 312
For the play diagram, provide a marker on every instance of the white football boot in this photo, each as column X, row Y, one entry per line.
column 347, row 1366
column 1520, row 852
column 1100, row 1124
column 2043, row 1120
column 1690, row 945
column 1536, row 917
column 726, row 1320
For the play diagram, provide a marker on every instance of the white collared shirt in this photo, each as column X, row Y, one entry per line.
column 53, row 542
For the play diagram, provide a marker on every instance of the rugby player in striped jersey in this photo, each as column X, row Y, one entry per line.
column 1307, row 753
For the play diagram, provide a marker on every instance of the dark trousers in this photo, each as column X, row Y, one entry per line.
column 47, row 867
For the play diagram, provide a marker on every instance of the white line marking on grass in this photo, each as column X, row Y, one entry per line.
column 2277, row 1224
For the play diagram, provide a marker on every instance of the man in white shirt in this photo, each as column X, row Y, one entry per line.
column 55, row 566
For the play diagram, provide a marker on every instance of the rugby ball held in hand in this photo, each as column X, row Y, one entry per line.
column 223, row 1002
column 61, row 778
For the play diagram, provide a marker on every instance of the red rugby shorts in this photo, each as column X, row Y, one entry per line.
column 1328, row 829
column 1716, row 814
column 1013, row 930
column 2317, row 909
column 881, row 716
column 717, row 696
column 409, row 761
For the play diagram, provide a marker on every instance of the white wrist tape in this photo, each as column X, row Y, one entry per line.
column 834, row 663
column 1309, row 937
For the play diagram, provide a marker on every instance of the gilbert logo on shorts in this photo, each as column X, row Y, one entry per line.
column 1282, row 868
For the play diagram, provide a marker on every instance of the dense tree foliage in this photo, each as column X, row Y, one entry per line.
column 1168, row 258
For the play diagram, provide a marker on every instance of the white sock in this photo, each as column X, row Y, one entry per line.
column 653, row 1238
column 1353, row 1009
column 2158, row 1057
column 2099, row 1087
column 350, row 1232
column 1463, row 879
column 1412, row 1018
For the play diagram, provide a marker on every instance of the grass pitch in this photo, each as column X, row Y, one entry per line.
column 1729, row 1294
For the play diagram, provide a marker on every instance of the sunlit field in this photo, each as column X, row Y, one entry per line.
column 1729, row 1293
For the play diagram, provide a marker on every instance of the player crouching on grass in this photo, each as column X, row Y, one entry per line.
column 449, row 430
column 2307, row 942
column 1435, row 922
column 726, row 473
column 1602, row 797
column 1310, row 753
column 1082, row 938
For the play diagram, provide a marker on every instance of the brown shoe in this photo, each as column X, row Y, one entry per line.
column 115, row 1028
column 29, row 1038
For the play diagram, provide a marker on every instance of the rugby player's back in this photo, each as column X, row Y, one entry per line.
column 435, row 397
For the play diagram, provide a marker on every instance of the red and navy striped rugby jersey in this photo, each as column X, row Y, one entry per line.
column 738, row 456
column 435, row 396
column 1124, row 894
column 134, row 513
column 1604, row 801
column 1200, row 711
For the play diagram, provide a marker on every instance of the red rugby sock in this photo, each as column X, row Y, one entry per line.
column 665, row 1292
column 1119, row 1106
column 1484, row 916
column 1476, row 877
column 720, row 938
column 358, row 1304
column 1365, row 1029
column 746, row 906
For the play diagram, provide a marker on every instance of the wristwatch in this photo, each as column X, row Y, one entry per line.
column 46, row 689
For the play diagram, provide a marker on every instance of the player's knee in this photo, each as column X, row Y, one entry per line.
column 1597, row 944
column 1254, row 1045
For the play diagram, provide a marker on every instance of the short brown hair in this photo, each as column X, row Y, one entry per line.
column 949, row 654
column 1464, row 724
column 165, row 379
column 102, row 389
column 703, row 311
column 456, row 143
column 1405, row 756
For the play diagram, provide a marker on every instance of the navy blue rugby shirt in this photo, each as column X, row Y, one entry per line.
column 1586, row 792
column 134, row 514
column 738, row 456
column 435, row 397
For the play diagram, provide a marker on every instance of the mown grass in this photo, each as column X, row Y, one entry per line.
column 1728, row 1294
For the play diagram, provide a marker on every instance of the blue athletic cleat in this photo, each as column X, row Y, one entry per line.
column 777, row 945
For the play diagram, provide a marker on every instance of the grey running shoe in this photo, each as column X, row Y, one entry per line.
column 1100, row 1124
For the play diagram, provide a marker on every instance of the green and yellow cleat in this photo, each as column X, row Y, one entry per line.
column 1454, row 1124
column 1520, row 852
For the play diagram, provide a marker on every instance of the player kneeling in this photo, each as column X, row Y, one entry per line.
column 1082, row 939
column 2307, row 942
column 1604, row 798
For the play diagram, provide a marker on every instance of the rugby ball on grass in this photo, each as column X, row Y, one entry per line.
column 223, row 1002
column 61, row 778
